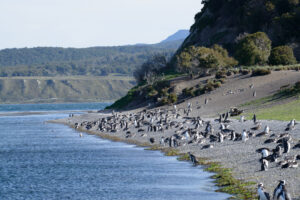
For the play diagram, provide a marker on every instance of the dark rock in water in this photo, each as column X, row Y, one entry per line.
column 152, row 140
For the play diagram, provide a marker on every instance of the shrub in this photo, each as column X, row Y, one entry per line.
column 297, row 86
column 244, row 71
column 172, row 98
column 261, row 72
column 188, row 92
column 220, row 74
column 282, row 55
column 253, row 49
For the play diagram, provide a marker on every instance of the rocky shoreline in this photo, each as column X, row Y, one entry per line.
column 182, row 134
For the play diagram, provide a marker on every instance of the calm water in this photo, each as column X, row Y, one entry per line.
column 39, row 160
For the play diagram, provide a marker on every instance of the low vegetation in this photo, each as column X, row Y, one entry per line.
column 267, row 108
column 282, row 55
column 202, row 60
column 260, row 72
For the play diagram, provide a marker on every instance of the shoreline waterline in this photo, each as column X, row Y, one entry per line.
column 223, row 179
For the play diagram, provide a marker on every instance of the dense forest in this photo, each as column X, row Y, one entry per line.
column 96, row 61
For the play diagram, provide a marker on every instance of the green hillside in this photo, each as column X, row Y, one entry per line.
column 94, row 61
column 63, row 89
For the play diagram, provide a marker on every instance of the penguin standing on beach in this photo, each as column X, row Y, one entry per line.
column 264, row 164
column 254, row 119
column 284, row 195
column 245, row 136
column 262, row 195
column 286, row 146
column 278, row 189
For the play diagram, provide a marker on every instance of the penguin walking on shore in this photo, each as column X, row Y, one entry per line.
column 245, row 136
column 193, row 158
column 286, row 146
column 278, row 189
column 262, row 195
column 264, row 164
column 284, row 195
column 291, row 125
column 254, row 119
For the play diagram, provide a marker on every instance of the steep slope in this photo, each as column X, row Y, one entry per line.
column 223, row 21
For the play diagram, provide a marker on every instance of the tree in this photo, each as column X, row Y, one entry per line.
column 253, row 49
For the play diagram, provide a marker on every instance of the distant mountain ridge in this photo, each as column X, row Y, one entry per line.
column 179, row 35
column 92, row 61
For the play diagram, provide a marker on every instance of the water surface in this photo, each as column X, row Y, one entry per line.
column 40, row 160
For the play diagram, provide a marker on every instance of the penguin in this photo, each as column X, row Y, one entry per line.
column 233, row 136
column 284, row 194
column 244, row 136
column 286, row 146
column 242, row 119
column 193, row 158
column 152, row 140
column 264, row 164
column 254, row 94
column 291, row 125
column 265, row 153
column 254, row 119
column 208, row 146
column 278, row 189
column 221, row 138
column 262, row 195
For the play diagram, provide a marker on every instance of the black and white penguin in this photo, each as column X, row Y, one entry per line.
column 284, row 194
column 278, row 189
column 291, row 125
column 254, row 119
column 245, row 136
column 264, row 164
column 262, row 195
column 221, row 137
column 193, row 158
column 233, row 136
column 286, row 146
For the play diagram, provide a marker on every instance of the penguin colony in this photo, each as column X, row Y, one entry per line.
column 195, row 131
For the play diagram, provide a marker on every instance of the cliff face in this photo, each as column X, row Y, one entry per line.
column 63, row 89
column 223, row 21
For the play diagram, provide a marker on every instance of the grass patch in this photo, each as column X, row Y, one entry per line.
column 228, row 184
column 284, row 112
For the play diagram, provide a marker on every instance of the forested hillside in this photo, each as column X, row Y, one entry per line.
column 95, row 61
column 224, row 22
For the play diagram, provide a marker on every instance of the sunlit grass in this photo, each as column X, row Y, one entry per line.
column 284, row 112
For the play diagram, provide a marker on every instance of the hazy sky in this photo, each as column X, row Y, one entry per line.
column 84, row 23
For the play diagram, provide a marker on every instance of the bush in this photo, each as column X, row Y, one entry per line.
column 244, row 71
column 188, row 92
column 172, row 98
column 282, row 55
column 261, row 72
column 220, row 74
column 297, row 86
column 253, row 49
